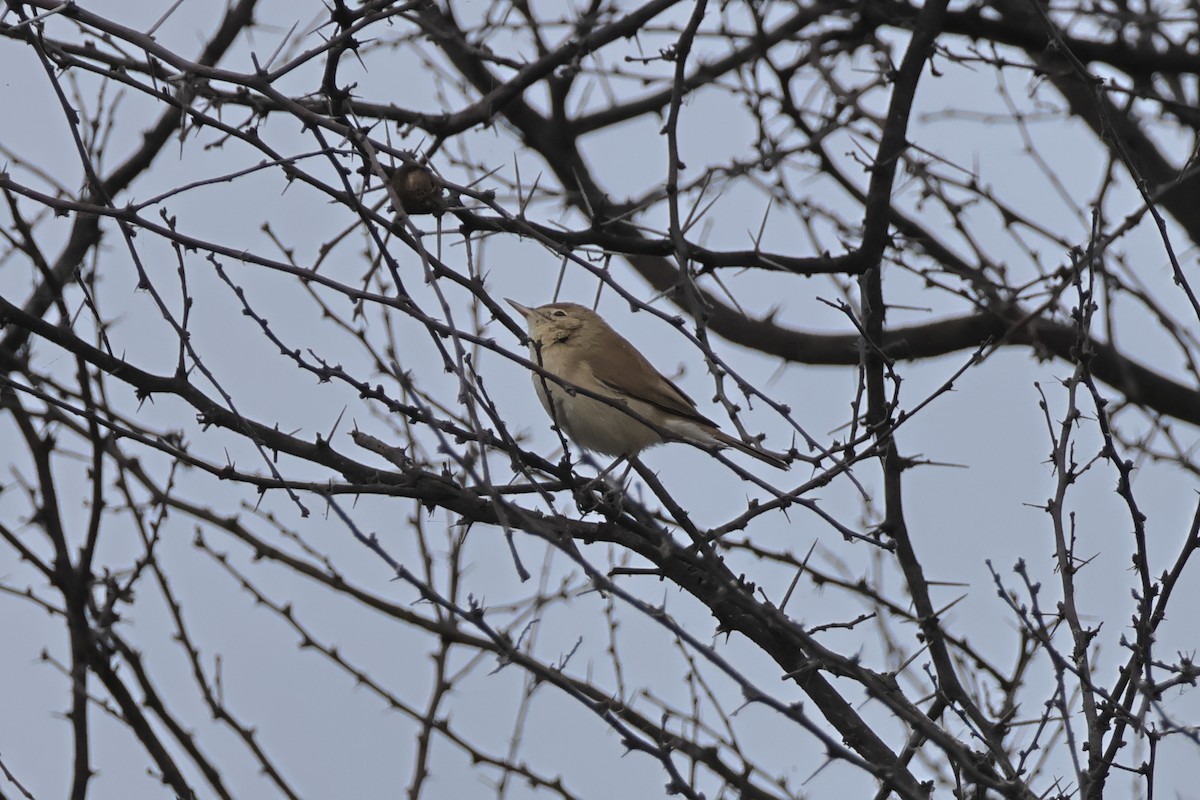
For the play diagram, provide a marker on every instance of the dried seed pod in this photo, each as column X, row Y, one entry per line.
column 419, row 190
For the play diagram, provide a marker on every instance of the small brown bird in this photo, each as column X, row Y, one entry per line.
column 575, row 344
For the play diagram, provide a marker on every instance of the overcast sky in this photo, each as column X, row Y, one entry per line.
column 988, row 439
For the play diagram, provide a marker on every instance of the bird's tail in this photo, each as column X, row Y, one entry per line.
column 776, row 460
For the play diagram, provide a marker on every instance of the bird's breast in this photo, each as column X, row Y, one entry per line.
column 590, row 423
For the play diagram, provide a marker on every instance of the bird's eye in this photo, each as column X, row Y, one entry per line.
column 560, row 313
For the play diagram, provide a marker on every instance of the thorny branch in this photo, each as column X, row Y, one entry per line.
column 349, row 197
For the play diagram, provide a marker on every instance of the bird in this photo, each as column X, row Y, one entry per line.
column 575, row 344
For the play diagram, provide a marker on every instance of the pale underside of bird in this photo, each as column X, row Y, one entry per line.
column 575, row 344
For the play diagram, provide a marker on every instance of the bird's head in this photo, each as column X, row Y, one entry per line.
column 558, row 322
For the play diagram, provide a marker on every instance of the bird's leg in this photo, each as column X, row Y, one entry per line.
column 613, row 466
column 610, row 489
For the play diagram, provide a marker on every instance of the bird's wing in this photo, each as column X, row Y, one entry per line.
column 618, row 371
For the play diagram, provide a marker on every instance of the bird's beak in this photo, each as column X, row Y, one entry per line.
column 527, row 313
